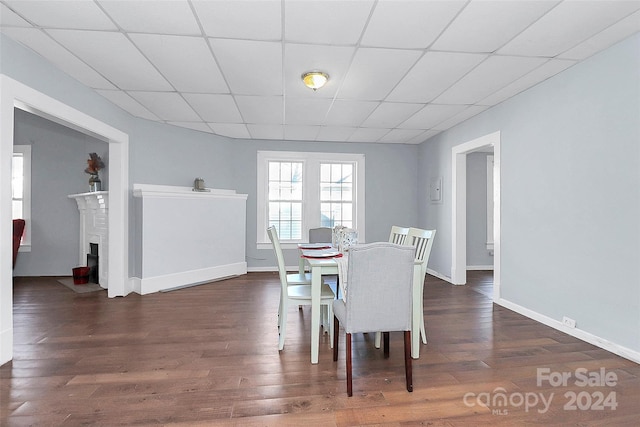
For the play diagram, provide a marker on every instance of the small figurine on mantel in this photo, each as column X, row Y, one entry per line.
column 94, row 164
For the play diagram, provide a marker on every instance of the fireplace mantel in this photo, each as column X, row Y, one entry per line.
column 94, row 228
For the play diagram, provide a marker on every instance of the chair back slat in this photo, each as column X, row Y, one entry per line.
column 398, row 235
column 422, row 241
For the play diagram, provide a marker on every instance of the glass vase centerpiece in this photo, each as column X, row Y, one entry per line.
column 94, row 164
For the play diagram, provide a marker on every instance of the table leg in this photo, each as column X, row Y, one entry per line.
column 316, row 285
column 301, row 265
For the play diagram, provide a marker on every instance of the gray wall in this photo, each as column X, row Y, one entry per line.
column 570, row 174
column 570, row 171
column 477, row 254
column 58, row 159
column 168, row 155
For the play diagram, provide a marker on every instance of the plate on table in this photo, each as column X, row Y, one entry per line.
column 321, row 253
column 314, row 245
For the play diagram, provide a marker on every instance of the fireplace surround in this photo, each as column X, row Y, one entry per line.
column 94, row 230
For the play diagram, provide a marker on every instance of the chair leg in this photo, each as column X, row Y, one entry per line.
column 386, row 344
column 336, row 329
column 378, row 339
column 349, row 376
column 282, row 320
column 407, row 360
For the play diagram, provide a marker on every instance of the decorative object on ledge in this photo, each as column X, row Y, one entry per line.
column 198, row 185
column 94, row 164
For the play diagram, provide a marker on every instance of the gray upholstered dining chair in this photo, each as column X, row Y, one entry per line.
column 320, row 235
column 379, row 297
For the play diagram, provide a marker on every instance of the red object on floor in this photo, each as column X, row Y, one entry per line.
column 81, row 275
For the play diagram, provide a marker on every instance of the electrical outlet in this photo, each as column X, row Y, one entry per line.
column 568, row 322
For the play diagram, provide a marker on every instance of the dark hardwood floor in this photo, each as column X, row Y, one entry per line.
column 207, row 356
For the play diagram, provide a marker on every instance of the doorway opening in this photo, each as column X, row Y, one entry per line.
column 459, row 208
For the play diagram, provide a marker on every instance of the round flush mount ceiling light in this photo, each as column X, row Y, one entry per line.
column 315, row 79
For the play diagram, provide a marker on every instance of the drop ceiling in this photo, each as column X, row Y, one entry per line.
column 400, row 71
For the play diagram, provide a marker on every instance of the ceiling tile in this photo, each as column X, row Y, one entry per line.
column 214, row 108
column 127, row 103
column 300, row 58
column 434, row 73
column 322, row 22
column 240, row 60
column 41, row 43
column 469, row 112
column 168, row 106
column 567, row 25
column 186, row 62
column 199, row 126
column 484, row 26
column 390, row 114
column 368, row 134
column 232, row 130
column 621, row 30
column 419, row 139
column 53, row 14
column 375, row 72
column 232, row 19
column 266, row 131
column 335, row 133
column 160, row 17
column 261, row 109
column 400, row 136
column 431, row 115
column 301, row 132
column 305, row 111
column 543, row 72
column 115, row 56
column 413, row 25
column 8, row 18
column 345, row 113
column 488, row 77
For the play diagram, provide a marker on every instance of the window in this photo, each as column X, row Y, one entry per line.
column 21, row 191
column 299, row 191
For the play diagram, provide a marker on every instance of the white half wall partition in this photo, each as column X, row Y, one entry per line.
column 188, row 237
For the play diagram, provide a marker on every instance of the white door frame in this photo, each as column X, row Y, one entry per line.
column 459, row 208
column 15, row 94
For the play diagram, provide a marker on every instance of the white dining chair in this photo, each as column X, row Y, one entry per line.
column 422, row 242
column 379, row 298
column 296, row 289
column 398, row 234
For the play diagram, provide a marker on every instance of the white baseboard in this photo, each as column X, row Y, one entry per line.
column 439, row 275
column 6, row 346
column 480, row 267
column 166, row 282
column 621, row 351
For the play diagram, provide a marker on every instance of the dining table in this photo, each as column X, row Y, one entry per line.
column 324, row 265
column 318, row 266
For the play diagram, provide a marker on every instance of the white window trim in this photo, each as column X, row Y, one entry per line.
column 311, row 202
column 25, row 246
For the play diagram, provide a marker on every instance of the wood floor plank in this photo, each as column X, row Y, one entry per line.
column 207, row 356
